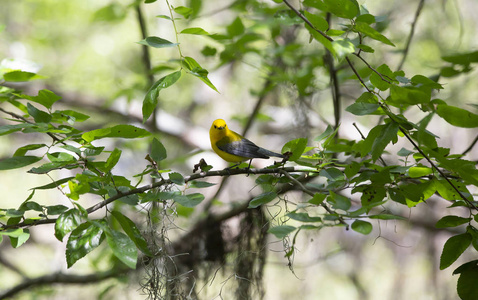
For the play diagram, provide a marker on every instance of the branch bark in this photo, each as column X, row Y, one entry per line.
column 62, row 278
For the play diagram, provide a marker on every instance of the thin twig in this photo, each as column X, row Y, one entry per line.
column 357, row 74
column 471, row 146
column 300, row 15
column 334, row 84
column 373, row 70
column 410, row 36
column 146, row 58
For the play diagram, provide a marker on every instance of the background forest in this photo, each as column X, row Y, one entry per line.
column 110, row 189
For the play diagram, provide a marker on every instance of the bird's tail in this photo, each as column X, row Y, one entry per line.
column 270, row 153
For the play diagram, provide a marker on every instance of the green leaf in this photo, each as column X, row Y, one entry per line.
column 387, row 217
column 195, row 31
column 151, row 99
column 176, row 178
column 78, row 187
column 157, row 42
column 31, row 205
column 12, row 232
column 327, row 133
column 235, row 28
column 132, row 231
column 200, row 184
column 332, row 174
column 409, row 95
column 352, row 169
column 66, row 222
column 72, row 116
column 45, row 97
column 84, row 239
column 123, row 247
column 372, row 33
column 303, row 217
column 362, row 108
column 190, row 200
column 20, row 76
column 462, row 58
column 18, row 162
column 56, row 210
column 281, row 231
column 7, row 129
column 457, row 116
column 208, row 51
column 343, row 47
column 321, row 39
column 297, row 148
column 53, row 185
column 416, row 172
column 420, row 80
column 387, row 135
column 23, row 150
column 451, row 221
column 113, row 12
column 196, row 70
column 466, row 287
column 362, row 227
column 339, row 201
column 404, row 152
column 366, row 48
column 13, row 213
column 112, row 159
column 262, row 199
column 380, row 83
column 163, row 16
column 118, row 131
column 318, row 21
column 45, row 168
column 183, row 11
column 453, row 248
column 317, row 199
column 158, row 152
column 20, row 239
column 93, row 151
column 347, row 9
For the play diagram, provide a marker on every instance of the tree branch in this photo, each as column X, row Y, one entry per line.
column 140, row 190
column 471, row 146
column 64, row 279
column 410, row 36
column 300, row 15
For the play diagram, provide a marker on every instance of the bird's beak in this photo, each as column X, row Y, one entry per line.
column 221, row 127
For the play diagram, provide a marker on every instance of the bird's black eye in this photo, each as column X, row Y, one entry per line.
column 215, row 126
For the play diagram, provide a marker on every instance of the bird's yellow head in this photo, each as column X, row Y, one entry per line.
column 218, row 128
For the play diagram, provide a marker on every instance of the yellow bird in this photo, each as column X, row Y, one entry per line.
column 233, row 147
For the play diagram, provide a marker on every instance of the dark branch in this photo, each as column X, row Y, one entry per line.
column 300, row 15
column 143, row 189
column 471, row 146
column 63, row 279
column 410, row 36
